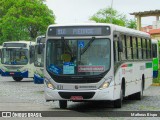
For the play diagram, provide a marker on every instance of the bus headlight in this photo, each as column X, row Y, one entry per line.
column 106, row 83
column 3, row 69
column 49, row 84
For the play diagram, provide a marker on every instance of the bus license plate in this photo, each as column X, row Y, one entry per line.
column 11, row 73
column 76, row 98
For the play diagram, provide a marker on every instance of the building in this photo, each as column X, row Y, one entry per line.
column 154, row 29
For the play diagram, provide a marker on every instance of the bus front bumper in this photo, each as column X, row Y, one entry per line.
column 38, row 79
column 23, row 74
column 87, row 95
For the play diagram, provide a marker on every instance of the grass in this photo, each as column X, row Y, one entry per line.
column 148, row 108
column 156, row 80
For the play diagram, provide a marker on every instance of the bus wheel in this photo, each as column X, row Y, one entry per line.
column 18, row 79
column 63, row 104
column 118, row 103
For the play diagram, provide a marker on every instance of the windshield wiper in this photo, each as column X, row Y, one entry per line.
column 66, row 45
column 87, row 46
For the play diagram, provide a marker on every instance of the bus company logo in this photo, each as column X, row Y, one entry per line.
column 6, row 114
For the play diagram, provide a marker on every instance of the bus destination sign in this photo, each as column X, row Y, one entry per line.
column 79, row 31
column 14, row 45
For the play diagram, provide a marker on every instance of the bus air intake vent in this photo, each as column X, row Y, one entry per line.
column 85, row 95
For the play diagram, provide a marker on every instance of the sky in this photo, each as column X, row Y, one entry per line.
column 74, row 11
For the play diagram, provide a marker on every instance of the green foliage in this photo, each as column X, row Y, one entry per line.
column 109, row 15
column 23, row 19
column 131, row 24
column 157, row 80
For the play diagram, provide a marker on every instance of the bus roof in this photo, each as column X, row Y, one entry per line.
column 42, row 39
column 114, row 28
column 16, row 42
column 28, row 42
column 155, row 41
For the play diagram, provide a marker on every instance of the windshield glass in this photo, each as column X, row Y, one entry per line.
column 39, row 57
column 78, row 57
column 14, row 56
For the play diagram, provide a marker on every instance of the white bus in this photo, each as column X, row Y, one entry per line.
column 39, row 60
column 18, row 59
column 96, row 62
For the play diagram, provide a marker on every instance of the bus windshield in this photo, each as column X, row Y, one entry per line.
column 78, row 56
column 39, row 58
column 14, row 56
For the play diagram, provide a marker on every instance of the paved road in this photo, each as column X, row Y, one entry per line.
column 27, row 96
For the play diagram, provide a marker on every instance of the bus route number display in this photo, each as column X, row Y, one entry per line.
column 79, row 31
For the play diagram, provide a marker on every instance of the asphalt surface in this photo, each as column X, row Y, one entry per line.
column 27, row 96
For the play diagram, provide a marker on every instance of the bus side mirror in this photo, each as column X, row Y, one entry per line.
column 31, row 52
column 40, row 45
column 120, row 45
column 39, row 49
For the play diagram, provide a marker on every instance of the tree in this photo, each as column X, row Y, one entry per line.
column 24, row 19
column 131, row 24
column 109, row 15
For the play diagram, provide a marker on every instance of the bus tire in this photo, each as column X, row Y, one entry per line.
column 17, row 79
column 118, row 102
column 63, row 104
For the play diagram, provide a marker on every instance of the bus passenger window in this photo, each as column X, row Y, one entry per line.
column 144, row 48
column 115, row 51
column 134, row 48
column 129, row 52
column 123, row 54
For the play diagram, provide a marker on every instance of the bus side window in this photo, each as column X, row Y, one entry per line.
column 134, row 43
column 154, row 50
column 139, row 49
column 148, row 48
column 124, row 53
column 131, row 45
column 115, row 47
column 129, row 48
column 150, row 52
column 125, row 40
column 144, row 48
